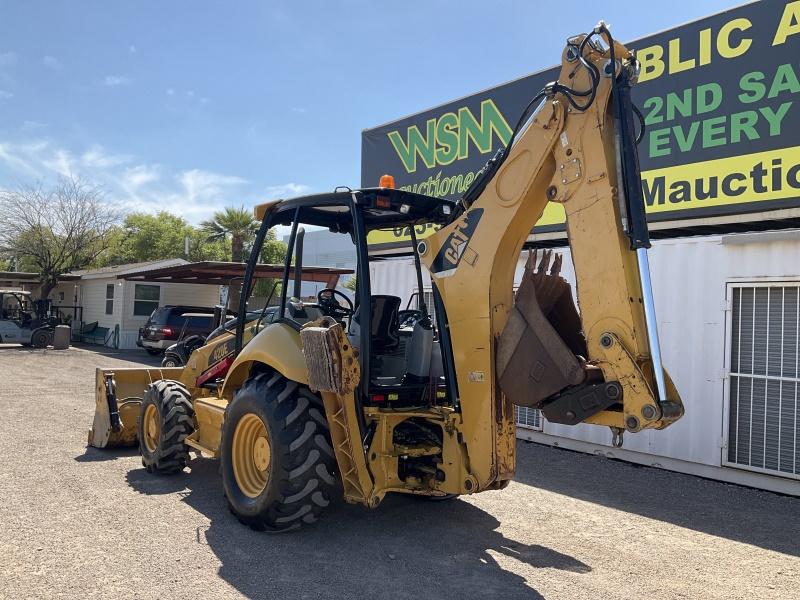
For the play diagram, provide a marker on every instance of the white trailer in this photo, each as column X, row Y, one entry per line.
column 728, row 310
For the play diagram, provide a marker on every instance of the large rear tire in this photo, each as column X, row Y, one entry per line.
column 276, row 458
column 166, row 417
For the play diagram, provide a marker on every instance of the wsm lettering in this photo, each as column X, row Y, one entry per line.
column 449, row 137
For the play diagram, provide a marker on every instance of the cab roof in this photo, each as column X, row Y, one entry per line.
column 382, row 208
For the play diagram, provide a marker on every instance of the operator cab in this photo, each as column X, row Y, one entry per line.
column 15, row 306
column 394, row 329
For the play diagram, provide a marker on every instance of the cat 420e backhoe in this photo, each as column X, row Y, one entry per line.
column 421, row 401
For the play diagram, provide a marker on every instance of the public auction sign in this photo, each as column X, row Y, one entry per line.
column 720, row 101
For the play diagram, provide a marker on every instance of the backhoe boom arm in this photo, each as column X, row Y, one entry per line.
column 578, row 150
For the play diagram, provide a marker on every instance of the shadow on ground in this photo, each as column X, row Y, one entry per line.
column 452, row 549
column 136, row 356
column 440, row 549
column 770, row 521
column 92, row 454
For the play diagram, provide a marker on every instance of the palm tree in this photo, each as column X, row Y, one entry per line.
column 236, row 223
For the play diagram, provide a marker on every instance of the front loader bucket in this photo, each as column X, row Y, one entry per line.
column 118, row 396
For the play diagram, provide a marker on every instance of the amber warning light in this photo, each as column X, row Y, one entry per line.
column 387, row 181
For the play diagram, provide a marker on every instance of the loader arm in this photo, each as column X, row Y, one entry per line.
column 577, row 150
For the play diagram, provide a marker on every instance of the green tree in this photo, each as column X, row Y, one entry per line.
column 236, row 224
column 351, row 284
column 145, row 237
column 200, row 248
column 273, row 252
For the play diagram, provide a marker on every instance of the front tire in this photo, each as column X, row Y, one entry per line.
column 171, row 360
column 165, row 419
column 41, row 338
column 276, row 458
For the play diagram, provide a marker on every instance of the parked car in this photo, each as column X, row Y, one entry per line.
column 178, row 354
column 168, row 324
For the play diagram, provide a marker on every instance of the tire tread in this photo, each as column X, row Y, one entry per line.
column 305, row 479
column 174, row 405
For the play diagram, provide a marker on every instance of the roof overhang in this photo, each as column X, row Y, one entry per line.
column 223, row 273
column 32, row 277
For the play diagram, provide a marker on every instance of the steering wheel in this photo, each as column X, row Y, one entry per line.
column 326, row 299
column 408, row 318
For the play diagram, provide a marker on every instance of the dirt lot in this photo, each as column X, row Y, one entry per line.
column 84, row 523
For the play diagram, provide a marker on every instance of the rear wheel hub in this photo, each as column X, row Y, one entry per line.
column 250, row 454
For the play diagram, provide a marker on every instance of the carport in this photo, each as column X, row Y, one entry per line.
column 228, row 273
column 139, row 291
column 224, row 273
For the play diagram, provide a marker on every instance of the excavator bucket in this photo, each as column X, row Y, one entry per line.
column 542, row 348
column 118, row 396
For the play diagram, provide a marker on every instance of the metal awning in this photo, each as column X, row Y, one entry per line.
column 32, row 277
column 222, row 273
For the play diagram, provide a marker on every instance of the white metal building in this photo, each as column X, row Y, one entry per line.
column 125, row 305
column 729, row 319
column 323, row 248
column 122, row 307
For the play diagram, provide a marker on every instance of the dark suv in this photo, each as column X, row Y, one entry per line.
column 169, row 324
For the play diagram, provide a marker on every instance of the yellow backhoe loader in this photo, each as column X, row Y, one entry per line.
column 420, row 401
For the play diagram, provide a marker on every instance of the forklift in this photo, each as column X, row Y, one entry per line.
column 23, row 323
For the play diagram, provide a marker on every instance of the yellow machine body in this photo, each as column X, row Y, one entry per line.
column 565, row 156
column 130, row 383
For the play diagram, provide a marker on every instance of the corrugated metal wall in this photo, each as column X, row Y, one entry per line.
column 692, row 280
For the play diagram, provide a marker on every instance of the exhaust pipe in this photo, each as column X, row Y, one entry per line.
column 298, row 262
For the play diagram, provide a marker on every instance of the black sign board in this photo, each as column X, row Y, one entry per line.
column 721, row 99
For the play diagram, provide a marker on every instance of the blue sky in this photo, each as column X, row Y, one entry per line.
column 194, row 105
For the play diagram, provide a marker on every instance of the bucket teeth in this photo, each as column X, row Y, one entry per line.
column 554, row 296
column 544, row 263
column 556, row 268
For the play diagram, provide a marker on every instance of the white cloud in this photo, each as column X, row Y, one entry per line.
column 201, row 186
column 51, row 62
column 116, row 80
column 16, row 160
column 189, row 97
column 286, row 190
column 4, row 95
column 139, row 176
column 298, row 109
column 61, row 162
column 129, row 182
column 8, row 59
column 96, row 157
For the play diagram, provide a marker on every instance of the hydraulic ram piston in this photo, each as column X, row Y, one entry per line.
column 651, row 323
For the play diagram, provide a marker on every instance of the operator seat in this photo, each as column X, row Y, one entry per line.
column 384, row 326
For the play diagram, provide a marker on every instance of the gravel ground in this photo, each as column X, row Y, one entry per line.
column 85, row 523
